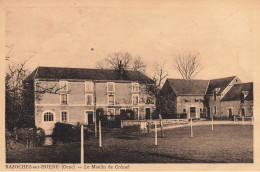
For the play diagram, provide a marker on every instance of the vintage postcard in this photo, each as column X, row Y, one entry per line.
column 124, row 85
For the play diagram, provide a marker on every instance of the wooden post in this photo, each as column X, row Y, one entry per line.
column 212, row 124
column 122, row 125
column 82, row 144
column 100, row 139
column 161, row 124
column 27, row 143
column 155, row 133
column 191, row 130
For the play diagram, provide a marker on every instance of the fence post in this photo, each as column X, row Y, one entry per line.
column 122, row 125
column 100, row 139
column 191, row 130
column 212, row 124
column 155, row 133
column 82, row 144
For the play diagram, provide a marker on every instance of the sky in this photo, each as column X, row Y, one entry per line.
column 224, row 32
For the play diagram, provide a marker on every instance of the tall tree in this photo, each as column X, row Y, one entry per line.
column 188, row 64
column 160, row 73
column 20, row 95
column 128, row 62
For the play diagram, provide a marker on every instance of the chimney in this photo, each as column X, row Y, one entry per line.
column 120, row 68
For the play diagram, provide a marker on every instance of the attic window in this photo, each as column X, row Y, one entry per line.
column 185, row 100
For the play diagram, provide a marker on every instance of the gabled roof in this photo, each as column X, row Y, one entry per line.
column 87, row 74
column 235, row 92
column 221, row 83
column 188, row 86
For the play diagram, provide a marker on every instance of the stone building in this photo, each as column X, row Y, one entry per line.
column 80, row 92
column 220, row 98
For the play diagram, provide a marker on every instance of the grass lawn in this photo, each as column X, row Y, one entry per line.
column 227, row 144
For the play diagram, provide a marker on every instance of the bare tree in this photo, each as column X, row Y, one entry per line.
column 188, row 64
column 127, row 60
column 20, row 94
column 160, row 73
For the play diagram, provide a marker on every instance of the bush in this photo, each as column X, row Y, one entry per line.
column 67, row 133
column 39, row 137
column 182, row 115
column 224, row 118
column 62, row 132
column 130, row 114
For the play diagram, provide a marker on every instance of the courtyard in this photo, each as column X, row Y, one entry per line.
column 226, row 144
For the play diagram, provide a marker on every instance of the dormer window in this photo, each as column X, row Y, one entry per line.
column 110, row 87
column 89, row 86
column 245, row 93
column 64, row 85
column 135, row 87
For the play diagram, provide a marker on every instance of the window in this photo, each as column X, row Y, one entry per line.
column 64, row 85
column 215, row 110
column 184, row 110
column 64, row 99
column 64, row 116
column 111, row 99
column 136, row 113
column 150, row 100
column 89, row 99
column 110, row 86
column 135, row 87
column 200, row 110
column 89, row 86
column 48, row 117
column 135, row 98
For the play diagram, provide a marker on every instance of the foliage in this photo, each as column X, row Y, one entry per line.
column 64, row 133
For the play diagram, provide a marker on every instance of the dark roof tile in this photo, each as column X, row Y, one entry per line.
column 221, row 83
column 89, row 74
column 189, row 86
column 235, row 92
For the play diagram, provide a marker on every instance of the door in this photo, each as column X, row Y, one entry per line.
column 147, row 113
column 89, row 117
column 243, row 112
column 230, row 114
column 192, row 112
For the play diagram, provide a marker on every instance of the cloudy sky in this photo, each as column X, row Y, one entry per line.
column 224, row 32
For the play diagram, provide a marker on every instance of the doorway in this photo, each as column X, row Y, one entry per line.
column 192, row 112
column 147, row 113
column 89, row 117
